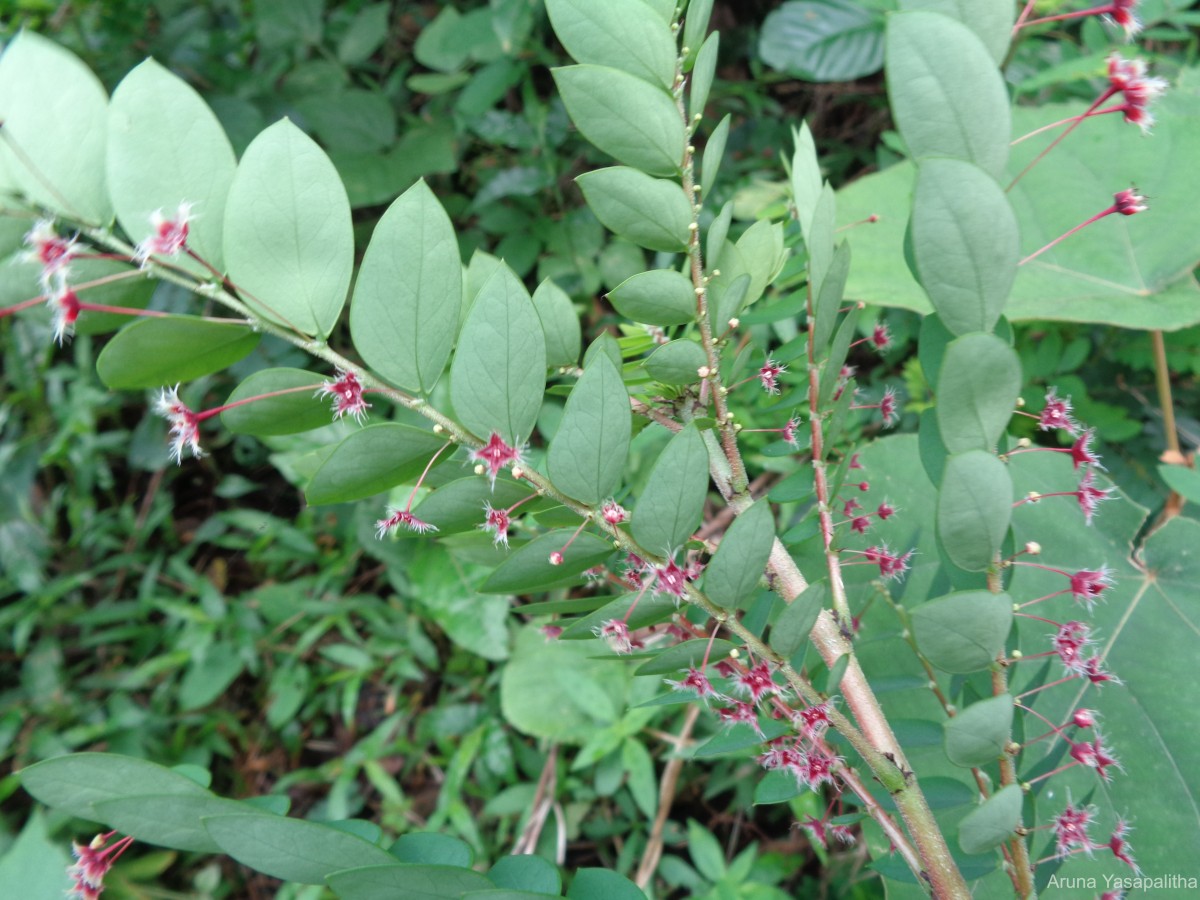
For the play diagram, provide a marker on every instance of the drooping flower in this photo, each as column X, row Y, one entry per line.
column 52, row 251
column 92, row 863
column 1069, row 641
column 401, row 518
column 613, row 512
column 670, row 579
column 1119, row 846
column 740, row 713
column 169, row 236
column 1090, row 496
column 1071, row 830
column 615, row 633
column 185, row 424
column 1084, row 718
column 496, row 521
column 1056, row 413
column 814, row 720
column 888, row 407
column 1088, row 584
column 697, row 681
column 496, row 454
column 1124, row 14
column 347, row 393
column 1129, row 202
column 769, row 374
column 1095, row 755
column 890, row 565
column 1128, row 77
column 1081, row 450
column 881, row 337
column 789, row 432
column 65, row 307
column 757, row 682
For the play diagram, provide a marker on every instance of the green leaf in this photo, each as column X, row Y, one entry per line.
column 735, row 570
column 292, row 849
column 458, row 506
column 791, row 630
column 977, row 392
column 431, row 848
column 705, row 851
column 371, row 461
column 831, row 372
column 624, row 116
column 672, row 503
column 650, row 212
column 703, row 72
column 289, row 245
column 714, row 153
column 528, row 569
column 365, row 34
column 687, row 655
column 805, row 179
column 965, row 243
column 658, row 297
column 932, row 342
column 72, row 784
column 350, row 120
column 830, row 40
column 963, row 632
column 498, row 374
column 676, row 362
column 406, row 882
column 408, row 296
column 993, row 822
column 617, row 33
column 560, row 324
column 55, row 110
column 992, row 22
column 829, row 299
column 948, row 97
column 587, row 456
column 651, row 609
column 154, row 352
column 978, row 735
column 695, row 23
column 170, row 820
column 603, row 884
column 605, row 345
column 527, row 873
column 727, row 296
column 286, row 414
column 639, row 768
column 36, row 863
column 1183, row 481
column 166, row 149
column 449, row 599
column 974, row 509
column 557, row 708
column 762, row 252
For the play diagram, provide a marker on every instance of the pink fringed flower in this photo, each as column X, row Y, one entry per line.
column 347, row 393
column 52, row 252
column 769, row 375
column 1056, row 413
column 495, row 455
column 169, row 236
column 92, row 863
column 401, row 518
column 1071, row 830
column 185, row 424
column 497, row 521
column 65, row 308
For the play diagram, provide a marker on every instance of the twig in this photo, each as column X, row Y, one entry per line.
column 666, row 797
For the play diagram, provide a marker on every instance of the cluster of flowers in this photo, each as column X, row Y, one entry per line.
column 92, row 863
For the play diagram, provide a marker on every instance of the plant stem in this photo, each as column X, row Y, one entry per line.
column 1162, row 380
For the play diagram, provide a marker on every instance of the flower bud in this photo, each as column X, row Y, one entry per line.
column 556, row 558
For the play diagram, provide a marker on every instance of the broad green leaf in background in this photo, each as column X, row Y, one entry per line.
column 829, row 40
column 167, row 149
column 498, row 374
column 587, row 456
column 560, row 324
column 448, row 595
column 155, row 352
column 1183, row 481
column 689, row 654
column 170, row 820
column 762, row 252
column 616, row 33
column 1128, row 271
column 371, row 461
column 978, row 735
column 458, row 506
column 795, row 623
column 737, row 567
column 676, row 362
column 991, row 21
column 409, row 291
column 35, row 863
column 603, row 884
column 948, row 97
column 55, row 110
column 292, row 849
column 366, row 33
column 993, row 822
column 74, row 783
column 529, row 569
column 974, row 508
column 286, row 414
column 288, row 240
column 965, row 243
column 431, row 848
column 657, row 297
column 526, row 872
column 412, row 882
column 978, row 386
column 624, row 116
column 349, row 120
column 584, row 694
column 963, row 632
column 650, row 212
column 672, row 502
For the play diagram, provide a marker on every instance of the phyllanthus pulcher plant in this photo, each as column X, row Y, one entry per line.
column 728, row 609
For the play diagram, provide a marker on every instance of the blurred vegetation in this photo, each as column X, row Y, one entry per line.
column 203, row 615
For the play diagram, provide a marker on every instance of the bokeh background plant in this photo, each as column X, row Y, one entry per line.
column 204, row 615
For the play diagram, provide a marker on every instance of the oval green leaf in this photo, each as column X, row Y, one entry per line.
column 289, row 245
column 527, row 873
column 689, row 654
column 154, row 352
column 560, row 324
column 587, row 456
column 978, row 734
column 408, row 295
column 658, row 297
column 616, row 33
column 672, row 503
column 55, row 110
column 458, row 506
column 992, row 21
column 965, row 243
column 286, row 414
column 166, row 149
column 977, row 391
column 994, row 822
column 529, row 568
column 498, row 375
column 735, row 570
column 371, row 461
column 631, row 120
column 650, row 212
column 963, row 632
column 830, row 40
column 948, row 97
column 676, row 362
column 170, row 820
column 974, row 509
column 398, row 881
